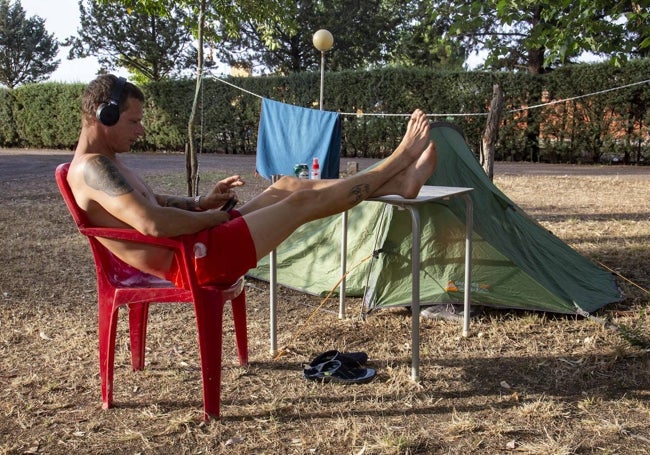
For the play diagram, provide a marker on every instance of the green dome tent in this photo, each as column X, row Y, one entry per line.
column 516, row 263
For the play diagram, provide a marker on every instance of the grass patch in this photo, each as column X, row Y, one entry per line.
column 522, row 382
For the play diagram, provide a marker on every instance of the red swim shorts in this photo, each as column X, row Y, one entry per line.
column 222, row 253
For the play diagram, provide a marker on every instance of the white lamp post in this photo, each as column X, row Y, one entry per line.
column 323, row 41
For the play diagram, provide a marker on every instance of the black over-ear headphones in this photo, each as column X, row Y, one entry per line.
column 109, row 113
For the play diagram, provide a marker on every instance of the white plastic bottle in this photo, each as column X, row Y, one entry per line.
column 315, row 169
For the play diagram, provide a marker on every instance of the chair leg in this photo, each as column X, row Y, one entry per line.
column 138, row 314
column 241, row 335
column 107, row 333
column 209, row 322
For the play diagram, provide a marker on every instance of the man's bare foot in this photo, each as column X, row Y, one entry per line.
column 409, row 182
column 416, row 137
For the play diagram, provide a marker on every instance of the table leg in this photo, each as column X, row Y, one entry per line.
column 469, row 227
column 273, row 288
column 344, row 258
column 273, row 279
column 415, row 293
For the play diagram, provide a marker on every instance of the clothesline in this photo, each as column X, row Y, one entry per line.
column 478, row 114
column 580, row 96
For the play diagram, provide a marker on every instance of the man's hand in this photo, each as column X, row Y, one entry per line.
column 221, row 193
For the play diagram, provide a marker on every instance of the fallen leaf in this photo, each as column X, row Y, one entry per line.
column 235, row 440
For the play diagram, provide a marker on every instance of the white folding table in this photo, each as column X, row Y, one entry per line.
column 430, row 194
column 427, row 194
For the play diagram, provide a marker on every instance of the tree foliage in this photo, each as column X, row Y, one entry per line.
column 276, row 35
column 150, row 45
column 421, row 41
column 539, row 35
column 27, row 51
column 364, row 35
column 221, row 17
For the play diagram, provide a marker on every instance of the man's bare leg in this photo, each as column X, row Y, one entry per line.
column 404, row 183
column 407, row 183
column 280, row 210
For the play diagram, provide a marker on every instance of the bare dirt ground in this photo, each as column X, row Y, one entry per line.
column 17, row 163
column 521, row 382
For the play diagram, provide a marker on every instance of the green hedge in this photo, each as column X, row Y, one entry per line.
column 46, row 115
column 8, row 134
column 585, row 129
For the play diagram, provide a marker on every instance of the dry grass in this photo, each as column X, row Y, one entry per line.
column 522, row 382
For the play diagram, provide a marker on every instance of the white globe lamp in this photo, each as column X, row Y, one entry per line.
column 323, row 41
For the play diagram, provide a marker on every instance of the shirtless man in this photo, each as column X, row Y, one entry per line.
column 226, row 244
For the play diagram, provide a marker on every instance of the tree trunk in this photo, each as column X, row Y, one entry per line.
column 191, row 160
column 535, row 67
column 491, row 133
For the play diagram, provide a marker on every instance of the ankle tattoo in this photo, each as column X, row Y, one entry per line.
column 360, row 193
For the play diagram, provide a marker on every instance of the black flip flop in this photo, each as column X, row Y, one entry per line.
column 349, row 359
column 336, row 371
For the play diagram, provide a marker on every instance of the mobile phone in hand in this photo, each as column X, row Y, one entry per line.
column 228, row 206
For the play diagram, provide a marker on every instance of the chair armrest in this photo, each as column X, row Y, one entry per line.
column 182, row 253
column 130, row 235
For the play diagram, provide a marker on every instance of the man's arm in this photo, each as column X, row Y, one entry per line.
column 221, row 196
column 180, row 202
column 135, row 205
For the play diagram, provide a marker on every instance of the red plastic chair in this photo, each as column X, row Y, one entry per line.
column 120, row 284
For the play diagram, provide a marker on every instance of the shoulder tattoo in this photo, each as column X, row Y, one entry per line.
column 100, row 173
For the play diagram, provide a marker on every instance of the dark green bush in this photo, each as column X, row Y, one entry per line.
column 572, row 128
column 48, row 115
column 8, row 135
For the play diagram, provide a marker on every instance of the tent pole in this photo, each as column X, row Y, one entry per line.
column 469, row 227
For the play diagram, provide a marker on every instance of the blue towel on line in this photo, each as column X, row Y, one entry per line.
column 290, row 135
